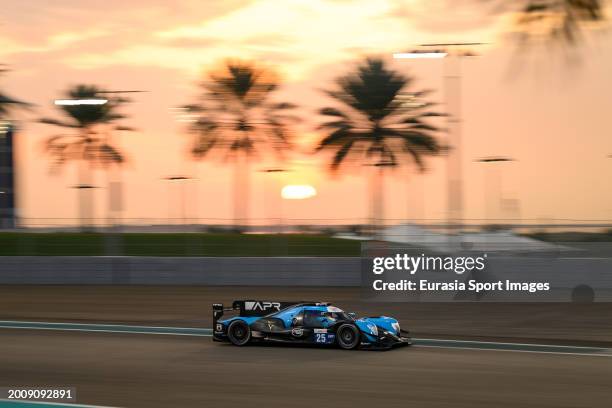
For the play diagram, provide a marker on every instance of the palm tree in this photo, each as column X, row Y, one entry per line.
column 559, row 19
column 379, row 120
column 234, row 115
column 89, row 143
column 7, row 103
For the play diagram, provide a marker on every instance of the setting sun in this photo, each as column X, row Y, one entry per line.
column 298, row 192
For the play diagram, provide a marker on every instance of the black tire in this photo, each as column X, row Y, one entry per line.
column 347, row 336
column 239, row 333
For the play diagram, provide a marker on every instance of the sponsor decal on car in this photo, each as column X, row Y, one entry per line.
column 320, row 331
column 219, row 328
column 263, row 306
column 297, row 332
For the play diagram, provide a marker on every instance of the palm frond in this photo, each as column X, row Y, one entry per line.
column 340, row 136
column 203, row 145
column 56, row 122
column 333, row 112
column 125, row 128
column 559, row 20
column 110, row 155
column 421, row 141
column 341, row 154
column 282, row 106
column 416, row 155
column 335, row 124
column 7, row 103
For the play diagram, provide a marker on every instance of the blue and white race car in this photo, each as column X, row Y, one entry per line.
column 304, row 323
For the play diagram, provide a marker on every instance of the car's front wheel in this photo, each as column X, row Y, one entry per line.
column 348, row 336
column 239, row 333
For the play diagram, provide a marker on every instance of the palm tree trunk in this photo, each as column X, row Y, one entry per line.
column 195, row 193
column 241, row 191
column 377, row 204
column 84, row 196
column 114, row 190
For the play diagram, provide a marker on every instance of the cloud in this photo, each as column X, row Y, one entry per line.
column 307, row 33
column 300, row 36
column 56, row 42
column 193, row 42
column 40, row 25
column 433, row 15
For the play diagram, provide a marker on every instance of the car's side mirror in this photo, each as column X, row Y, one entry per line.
column 353, row 315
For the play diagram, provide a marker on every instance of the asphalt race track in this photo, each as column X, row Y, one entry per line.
column 563, row 323
column 162, row 371
column 166, row 371
column 182, row 367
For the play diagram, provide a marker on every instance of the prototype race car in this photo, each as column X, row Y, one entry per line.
column 304, row 323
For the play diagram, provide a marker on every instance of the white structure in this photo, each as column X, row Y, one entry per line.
column 494, row 241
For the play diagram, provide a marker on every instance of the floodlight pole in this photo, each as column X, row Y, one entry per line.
column 452, row 95
column 493, row 180
column 114, row 189
column 183, row 207
column 86, row 211
column 280, row 218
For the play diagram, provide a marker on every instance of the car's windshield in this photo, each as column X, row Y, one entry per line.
column 322, row 318
column 290, row 311
column 336, row 316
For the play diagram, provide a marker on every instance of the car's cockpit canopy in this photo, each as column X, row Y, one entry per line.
column 315, row 316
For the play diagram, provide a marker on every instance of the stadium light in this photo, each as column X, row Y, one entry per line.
column 453, row 106
column 75, row 102
column 419, row 54
column 494, row 159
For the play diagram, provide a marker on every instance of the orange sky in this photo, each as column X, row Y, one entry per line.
column 547, row 113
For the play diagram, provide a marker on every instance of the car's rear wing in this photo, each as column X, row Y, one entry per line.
column 217, row 314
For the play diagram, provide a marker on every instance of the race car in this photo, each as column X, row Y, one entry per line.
column 317, row 323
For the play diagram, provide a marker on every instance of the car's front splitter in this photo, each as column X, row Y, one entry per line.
column 383, row 342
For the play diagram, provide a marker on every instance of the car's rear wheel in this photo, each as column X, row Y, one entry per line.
column 348, row 336
column 239, row 333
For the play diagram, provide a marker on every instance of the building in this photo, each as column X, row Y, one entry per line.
column 8, row 216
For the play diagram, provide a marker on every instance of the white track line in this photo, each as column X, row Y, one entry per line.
column 516, row 351
column 507, row 344
column 106, row 331
column 100, row 324
column 7, row 325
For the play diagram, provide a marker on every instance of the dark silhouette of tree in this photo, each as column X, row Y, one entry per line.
column 378, row 120
column 558, row 20
column 234, row 116
column 7, row 103
column 91, row 125
column 88, row 138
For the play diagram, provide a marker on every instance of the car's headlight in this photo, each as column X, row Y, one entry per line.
column 373, row 329
column 396, row 326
